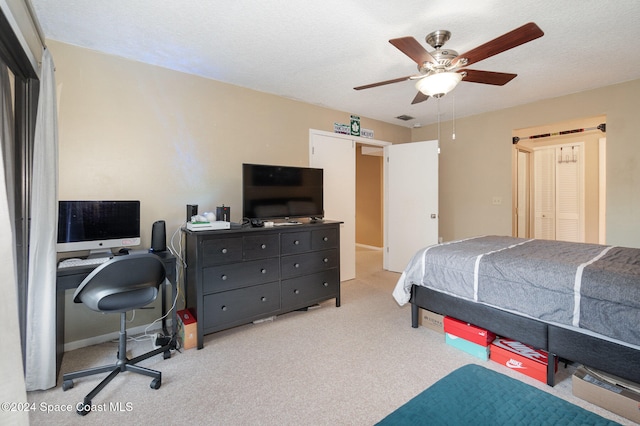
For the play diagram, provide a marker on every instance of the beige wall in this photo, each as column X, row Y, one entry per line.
column 131, row 130
column 134, row 131
column 477, row 165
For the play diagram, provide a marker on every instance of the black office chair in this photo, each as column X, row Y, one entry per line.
column 119, row 285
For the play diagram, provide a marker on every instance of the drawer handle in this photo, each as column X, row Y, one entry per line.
column 325, row 260
column 223, row 277
column 296, row 265
column 224, row 251
column 263, row 246
column 264, row 271
column 296, row 291
column 263, row 299
column 325, row 238
column 224, row 308
column 325, row 284
column 296, row 242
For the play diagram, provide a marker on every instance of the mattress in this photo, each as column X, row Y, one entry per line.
column 589, row 286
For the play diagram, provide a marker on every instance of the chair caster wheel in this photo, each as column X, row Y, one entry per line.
column 84, row 408
column 156, row 383
column 166, row 355
column 67, row 384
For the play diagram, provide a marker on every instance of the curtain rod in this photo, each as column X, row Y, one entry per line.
column 602, row 127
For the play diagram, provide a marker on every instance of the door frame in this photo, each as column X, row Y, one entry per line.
column 602, row 190
column 530, row 205
column 515, row 177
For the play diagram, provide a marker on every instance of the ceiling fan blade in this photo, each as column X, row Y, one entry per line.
column 382, row 83
column 488, row 77
column 410, row 47
column 420, row 97
column 507, row 41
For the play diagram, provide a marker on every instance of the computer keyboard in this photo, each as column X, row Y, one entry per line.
column 67, row 263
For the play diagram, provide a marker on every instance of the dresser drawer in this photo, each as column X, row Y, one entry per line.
column 308, row 263
column 221, row 250
column 295, row 242
column 242, row 274
column 222, row 310
column 260, row 246
column 324, row 239
column 309, row 289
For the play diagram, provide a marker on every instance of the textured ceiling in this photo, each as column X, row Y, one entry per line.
column 317, row 51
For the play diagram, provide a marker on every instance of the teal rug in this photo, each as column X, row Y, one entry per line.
column 475, row 395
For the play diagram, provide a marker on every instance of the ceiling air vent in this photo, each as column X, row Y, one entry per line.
column 405, row 117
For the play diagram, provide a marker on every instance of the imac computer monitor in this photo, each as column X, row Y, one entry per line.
column 97, row 226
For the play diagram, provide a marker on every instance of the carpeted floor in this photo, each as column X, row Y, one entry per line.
column 351, row 365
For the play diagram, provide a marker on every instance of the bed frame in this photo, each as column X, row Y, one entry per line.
column 604, row 355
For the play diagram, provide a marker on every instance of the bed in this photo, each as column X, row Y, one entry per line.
column 579, row 302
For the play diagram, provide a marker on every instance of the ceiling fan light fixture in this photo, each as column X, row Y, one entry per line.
column 439, row 84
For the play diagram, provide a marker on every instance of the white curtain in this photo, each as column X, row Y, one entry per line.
column 41, row 294
column 12, row 387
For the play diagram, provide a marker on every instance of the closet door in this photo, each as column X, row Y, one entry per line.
column 544, row 194
column 569, row 194
column 559, row 193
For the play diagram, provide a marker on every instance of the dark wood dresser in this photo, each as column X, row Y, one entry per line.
column 237, row 276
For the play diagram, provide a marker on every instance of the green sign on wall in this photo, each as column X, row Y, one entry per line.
column 355, row 125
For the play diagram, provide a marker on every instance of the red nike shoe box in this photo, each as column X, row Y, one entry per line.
column 467, row 331
column 520, row 357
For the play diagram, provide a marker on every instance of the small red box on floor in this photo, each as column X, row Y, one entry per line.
column 520, row 357
column 467, row 331
column 187, row 329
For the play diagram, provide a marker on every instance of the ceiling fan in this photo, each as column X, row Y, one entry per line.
column 442, row 69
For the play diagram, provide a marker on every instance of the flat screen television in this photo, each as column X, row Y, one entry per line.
column 97, row 226
column 281, row 192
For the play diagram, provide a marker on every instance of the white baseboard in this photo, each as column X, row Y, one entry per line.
column 83, row 343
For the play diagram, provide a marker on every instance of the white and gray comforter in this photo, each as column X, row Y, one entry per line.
column 589, row 286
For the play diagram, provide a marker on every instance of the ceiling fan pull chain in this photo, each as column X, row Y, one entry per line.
column 453, row 136
column 438, row 102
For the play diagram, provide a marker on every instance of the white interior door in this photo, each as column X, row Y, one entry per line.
column 336, row 155
column 411, row 201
